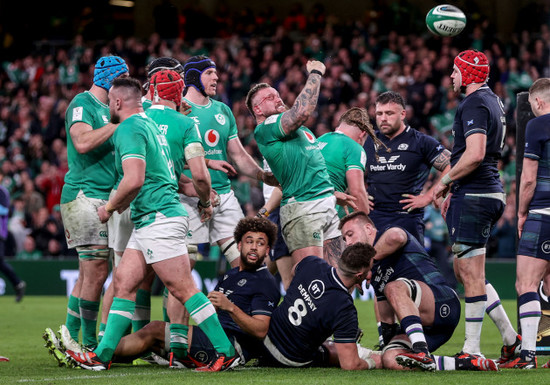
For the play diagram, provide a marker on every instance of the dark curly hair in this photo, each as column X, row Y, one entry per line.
column 257, row 225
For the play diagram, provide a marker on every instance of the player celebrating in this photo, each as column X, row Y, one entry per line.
column 218, row 129
column 533, row 223
column 396, row 179
column 87, row 186
column 150, row 186
column 309, row 220
column 477, row 198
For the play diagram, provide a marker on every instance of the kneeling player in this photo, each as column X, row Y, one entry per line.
column 409, row 285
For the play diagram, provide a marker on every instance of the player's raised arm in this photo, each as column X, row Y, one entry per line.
column 306, row 101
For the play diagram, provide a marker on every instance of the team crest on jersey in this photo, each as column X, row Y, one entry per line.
column 545, row 247
column 242, row 282
column 309, row 137
column 316, row 288
column 444, row 311
column 220, row 118
column 363, row 158
column 212, row 137
column 105, row 119
column 403, row 146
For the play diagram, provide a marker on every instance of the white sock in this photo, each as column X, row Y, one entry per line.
column 444, row 363
column 475, row 310
column 529, row 318
column 496, row 312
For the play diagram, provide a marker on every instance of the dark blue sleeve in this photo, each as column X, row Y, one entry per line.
column 475, row 118
column 346, row 325
column 535, row 138
column 431, row 148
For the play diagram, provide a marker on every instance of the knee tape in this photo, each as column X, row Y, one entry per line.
column 462, row 250
column 87, row 252
column 415, row 290
column 230, row 250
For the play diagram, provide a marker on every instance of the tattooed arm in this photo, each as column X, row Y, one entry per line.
column 307, row 99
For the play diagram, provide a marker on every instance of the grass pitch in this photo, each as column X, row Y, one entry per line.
column 21, row 340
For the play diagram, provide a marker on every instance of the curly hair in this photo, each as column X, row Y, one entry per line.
column 256, row 225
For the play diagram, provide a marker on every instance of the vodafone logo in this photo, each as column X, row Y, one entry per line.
column 212, row 137
column 309, row 137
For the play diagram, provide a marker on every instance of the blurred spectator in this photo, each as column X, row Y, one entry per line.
column 29, row 252
column 504, row 234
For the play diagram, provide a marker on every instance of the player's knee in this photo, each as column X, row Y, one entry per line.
column 403, row 288
column 462, row 250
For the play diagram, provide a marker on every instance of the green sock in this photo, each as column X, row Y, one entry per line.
column 203, row 313
column 142, row 315
column 88, row 318
column 101, row 332
column 120, row 319
column 73, row 317
column 165, row 317
column 178, row 339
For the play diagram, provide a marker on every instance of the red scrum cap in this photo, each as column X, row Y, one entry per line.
column 473, row 67
column 167, row 85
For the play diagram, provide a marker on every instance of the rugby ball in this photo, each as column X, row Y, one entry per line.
column 445, row 20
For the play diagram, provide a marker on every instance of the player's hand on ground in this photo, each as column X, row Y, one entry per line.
column 444, row 207
column 345, row 200
column 413, row 202
column 206, row 213
column 185, row 108
column 220, row 301
column 103, row 214
column 222, row 165
column 315, row 65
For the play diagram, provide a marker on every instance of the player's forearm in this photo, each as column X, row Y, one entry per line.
column 304, row 105
column 90, row 140
column 126, row 192
column 249, row 324
column 201, row 178
column 274, row 200
column 526, row 192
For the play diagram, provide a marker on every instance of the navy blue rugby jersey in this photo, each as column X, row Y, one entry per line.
column 316, row 306
column 404, row 170
column 254, row 292
column 537, row 147
column 480, row 112
column 412, row 262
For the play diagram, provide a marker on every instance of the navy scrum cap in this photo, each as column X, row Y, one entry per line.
column 193, row 69
column 107, row 69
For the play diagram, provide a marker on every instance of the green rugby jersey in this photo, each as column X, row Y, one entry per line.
column 295, row 160
column 93, row 172
column 139, row 137
column 217, row 127
column 341, row 154
column 180, row 131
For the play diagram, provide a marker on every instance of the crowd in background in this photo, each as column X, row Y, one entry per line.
column 363, row 58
